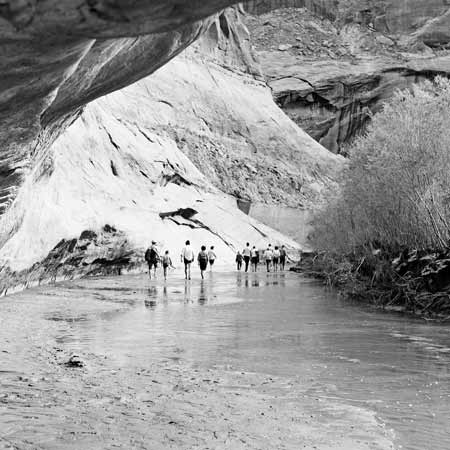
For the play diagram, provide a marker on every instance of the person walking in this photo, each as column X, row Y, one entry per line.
column 268, row 255
column 211, row 257
column 152, row 258
column 187, row 256
column 254, row 258
column 246, row 254
column 202, row 259
column 166, row 263
column 239, row 260
column 283, row 255
column 276, row 259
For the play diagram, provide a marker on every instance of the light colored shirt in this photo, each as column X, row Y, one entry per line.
column 187, row 253
column 276, row 253
column 211, row 255
column 246, row 251
column 254, row 253
column 268, row 254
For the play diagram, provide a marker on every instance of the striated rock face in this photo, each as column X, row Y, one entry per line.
column 57, row 55
column 429, row 20
column 115, row 165
column 329, row 76
column 326, row 8
column 155, row 160
column 227, row 124
column 333, row 101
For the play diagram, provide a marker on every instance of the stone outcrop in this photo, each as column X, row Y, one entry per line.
column 227, row 124
column 105, row 252
column 331, row 64
column 155, row 160
column 428, row 20
column 117, row 165
column 333, row 101
column 58, row 55
column 324, row 8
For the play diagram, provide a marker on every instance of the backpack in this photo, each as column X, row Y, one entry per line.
column 203, row 256
column 151, row 255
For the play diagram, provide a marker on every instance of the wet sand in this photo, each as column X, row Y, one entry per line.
column 130, row 394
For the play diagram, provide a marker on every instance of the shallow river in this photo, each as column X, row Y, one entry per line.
column 167, row 364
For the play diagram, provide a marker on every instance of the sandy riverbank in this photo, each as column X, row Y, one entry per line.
column 116, row 401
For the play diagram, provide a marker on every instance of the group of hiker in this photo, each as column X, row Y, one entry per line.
column 274, row 258
column 187, row 256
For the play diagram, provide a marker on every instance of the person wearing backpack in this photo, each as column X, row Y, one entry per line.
column 283, row 254
column 152, row 258
column 276, row 258
column 187, row 256
column 254, row 259
column 202, row 259
column 268, row 255
column 239, row 259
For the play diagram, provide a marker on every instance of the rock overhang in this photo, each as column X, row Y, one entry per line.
column 58, row 55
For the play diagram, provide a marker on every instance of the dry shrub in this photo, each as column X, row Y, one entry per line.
column 395, row 190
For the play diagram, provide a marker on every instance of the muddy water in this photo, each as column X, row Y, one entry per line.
column 238, row 361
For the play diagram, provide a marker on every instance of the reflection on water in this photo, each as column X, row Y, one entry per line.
column 201, row 294
column 150, row 303
column 276, row 323
column 254, row 280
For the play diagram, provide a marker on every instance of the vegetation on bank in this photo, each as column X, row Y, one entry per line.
column 385, row 235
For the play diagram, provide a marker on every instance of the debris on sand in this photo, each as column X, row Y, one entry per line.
column 75, row 361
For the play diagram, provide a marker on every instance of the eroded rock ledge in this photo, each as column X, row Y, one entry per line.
column 332, row 63
column 57, row 55
column 203, row 127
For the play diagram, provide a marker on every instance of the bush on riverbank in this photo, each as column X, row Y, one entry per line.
column 394, row 199
column 416, row 282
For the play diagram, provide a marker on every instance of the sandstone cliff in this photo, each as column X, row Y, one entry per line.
column 428, row 20
column 58, row 55
column 332, row 63
column 155, row 160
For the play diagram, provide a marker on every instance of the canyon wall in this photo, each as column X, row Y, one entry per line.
column 57, row 55
column 331, row 64
column 429, row 19
column 155, row 160
column 326, row 8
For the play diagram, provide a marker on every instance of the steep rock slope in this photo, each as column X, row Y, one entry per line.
column 123, row 164
column 329, row 72
column 111, row 168
column 226, row 122
column 427, row 19
column 57, row 55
